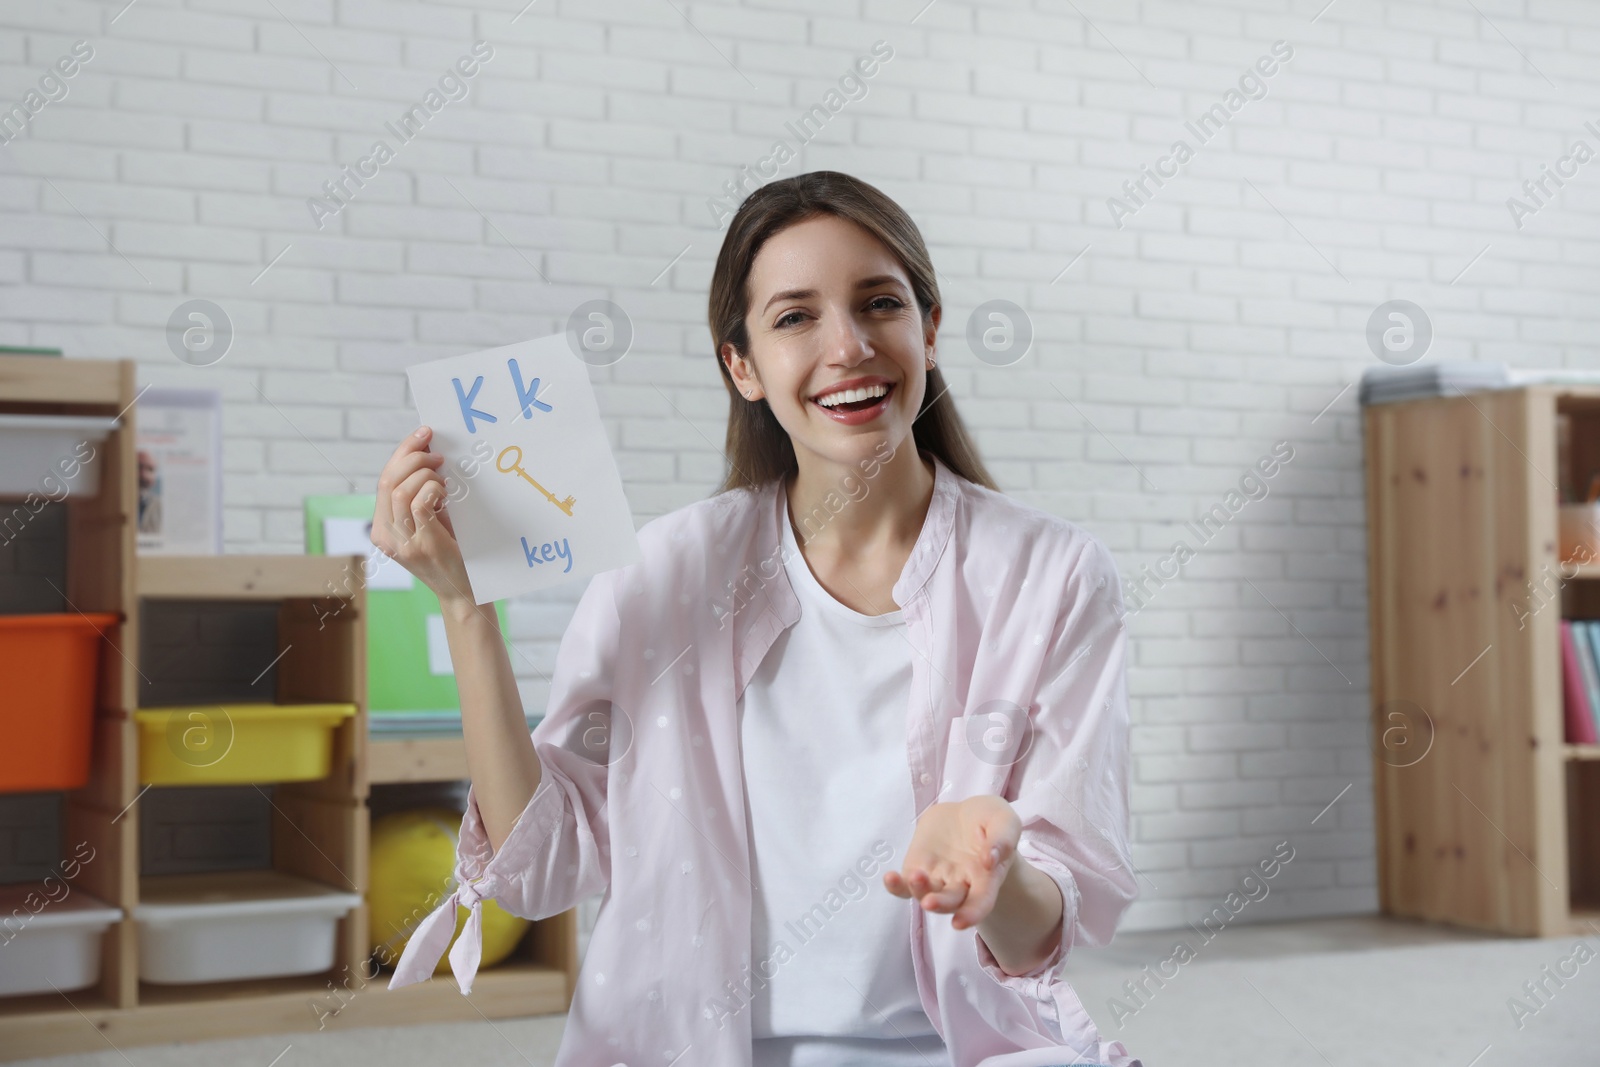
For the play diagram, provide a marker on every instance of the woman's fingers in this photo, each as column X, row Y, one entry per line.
column 943, row 901
column 968, row 902
column 409, row 456
column 982, row 892
column 932, row 894
column 414, row 509
column 427, row 501
column 405, row 466
column 443, row 511
column 383, row 515
column 901, row 886
column 945, row 898
column 411, row 521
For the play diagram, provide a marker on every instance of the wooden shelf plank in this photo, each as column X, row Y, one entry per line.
column 56, row 380
column 243, row 577
column 1583, row 751
column 83, row 1023
column 422, row 759
column 511, row 990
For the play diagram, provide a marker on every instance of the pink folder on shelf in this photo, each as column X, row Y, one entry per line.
column 1575, row 694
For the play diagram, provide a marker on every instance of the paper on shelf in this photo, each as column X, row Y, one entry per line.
column 353, row 537
column 438, row 647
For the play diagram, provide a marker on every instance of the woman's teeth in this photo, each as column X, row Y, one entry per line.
column 851, row 396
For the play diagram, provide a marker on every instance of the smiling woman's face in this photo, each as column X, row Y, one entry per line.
column 831, row 306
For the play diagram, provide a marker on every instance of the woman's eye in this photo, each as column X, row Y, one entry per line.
column 878, row 303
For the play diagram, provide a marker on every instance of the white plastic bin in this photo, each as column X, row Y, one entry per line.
column 50, row 944
column 45, row 452
column 236, row 924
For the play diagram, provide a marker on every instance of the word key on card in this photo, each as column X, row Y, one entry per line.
column 548, row 552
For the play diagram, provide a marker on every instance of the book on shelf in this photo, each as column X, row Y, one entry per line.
column 1587, row 635
column 1574, row 688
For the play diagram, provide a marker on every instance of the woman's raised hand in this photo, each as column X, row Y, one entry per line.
column 959, row 856
column 411, row 523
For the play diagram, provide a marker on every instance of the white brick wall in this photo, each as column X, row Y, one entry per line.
column 1188, row 342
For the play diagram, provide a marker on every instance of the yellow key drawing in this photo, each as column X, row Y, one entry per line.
column 515, row 467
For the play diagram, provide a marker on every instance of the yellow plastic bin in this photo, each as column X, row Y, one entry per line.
column 235, row 744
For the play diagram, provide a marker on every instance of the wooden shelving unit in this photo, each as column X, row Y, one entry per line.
column 1497, row 826
column 99, row 578
column 320, row 828
column 429, row 759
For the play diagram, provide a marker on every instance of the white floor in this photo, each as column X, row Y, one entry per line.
column 1330, row 993
column 1353, row 991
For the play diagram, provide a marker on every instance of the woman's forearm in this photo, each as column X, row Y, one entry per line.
column 1025, row 924
column 500, row 756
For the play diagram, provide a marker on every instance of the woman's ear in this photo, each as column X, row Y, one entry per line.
column 741, row 371
column 930, row 336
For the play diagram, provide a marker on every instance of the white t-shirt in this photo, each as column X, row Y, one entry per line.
column 829, row 805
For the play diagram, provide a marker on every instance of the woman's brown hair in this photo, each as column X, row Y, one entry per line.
column 758, row 448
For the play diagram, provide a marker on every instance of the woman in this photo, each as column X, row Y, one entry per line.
column 858, row 651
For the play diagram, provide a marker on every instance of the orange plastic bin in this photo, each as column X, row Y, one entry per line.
column 51, row 670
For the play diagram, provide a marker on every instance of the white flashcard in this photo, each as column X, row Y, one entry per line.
column 534, row 492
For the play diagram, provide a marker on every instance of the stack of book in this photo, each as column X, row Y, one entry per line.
column 1580, row 676
column 1387, row 385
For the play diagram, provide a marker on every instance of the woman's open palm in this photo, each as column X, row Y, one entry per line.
column 959, row 856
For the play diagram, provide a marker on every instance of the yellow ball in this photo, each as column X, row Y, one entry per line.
column 413, row 858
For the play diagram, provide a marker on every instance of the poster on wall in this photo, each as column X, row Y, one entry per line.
column 535, row 496
column 179, row 453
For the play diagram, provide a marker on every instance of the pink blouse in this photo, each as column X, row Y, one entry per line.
column 1018, row 690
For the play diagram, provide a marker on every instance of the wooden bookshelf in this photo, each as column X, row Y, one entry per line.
column 320, row 829
column 249, row 577
column 1496, row 826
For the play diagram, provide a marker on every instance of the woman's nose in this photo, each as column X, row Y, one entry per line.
column 847, row 342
